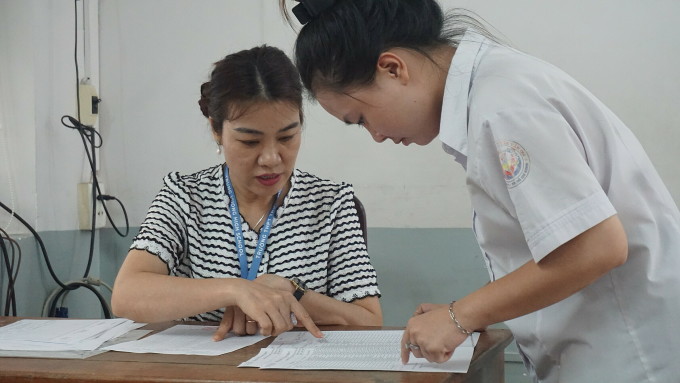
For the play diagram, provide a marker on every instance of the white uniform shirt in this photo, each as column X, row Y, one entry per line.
column 546, row 161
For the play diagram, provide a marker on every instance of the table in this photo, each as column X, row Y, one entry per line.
column 487, row 366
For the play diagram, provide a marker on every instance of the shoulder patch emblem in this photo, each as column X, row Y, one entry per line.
column 514, row 161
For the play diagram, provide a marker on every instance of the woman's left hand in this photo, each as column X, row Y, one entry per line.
column 236, row 321
column 431, row 334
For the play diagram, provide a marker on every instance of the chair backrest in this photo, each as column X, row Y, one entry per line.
column 362, row 218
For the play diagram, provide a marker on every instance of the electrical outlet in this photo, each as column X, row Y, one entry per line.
column 88, row 104
column 85, row 207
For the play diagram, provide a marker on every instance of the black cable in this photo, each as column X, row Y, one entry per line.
column 40, row 243
column 92, row 159
column 73, row 286
column 5, row 257
column 16, row 269
column 13, row 270
column 10, row 300
column 93, row 220
column 88, row 133
column 70, row 286
column 105, row 198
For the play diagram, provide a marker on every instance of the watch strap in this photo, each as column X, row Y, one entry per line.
column 298, row 293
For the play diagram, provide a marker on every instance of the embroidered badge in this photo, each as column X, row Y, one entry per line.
column 514, row 161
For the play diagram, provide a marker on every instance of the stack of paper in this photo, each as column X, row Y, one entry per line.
column 62, row 335
column 188, row 340
column 353, row 350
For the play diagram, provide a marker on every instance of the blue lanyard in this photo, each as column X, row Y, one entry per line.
column 238, row 232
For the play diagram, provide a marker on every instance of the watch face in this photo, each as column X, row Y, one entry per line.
column 299, row 285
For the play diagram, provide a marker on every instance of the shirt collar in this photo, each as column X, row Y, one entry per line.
column 454, row 117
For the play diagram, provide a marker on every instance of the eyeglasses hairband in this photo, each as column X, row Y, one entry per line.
column 310, row 9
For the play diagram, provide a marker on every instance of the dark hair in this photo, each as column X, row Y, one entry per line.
column 245, row 78
column 339, row 48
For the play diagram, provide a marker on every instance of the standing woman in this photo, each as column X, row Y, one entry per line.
column 580, row 235
column 252, row 240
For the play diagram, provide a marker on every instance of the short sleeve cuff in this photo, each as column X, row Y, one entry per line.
column 155, row 249
column 350, row 296
column 572, row 222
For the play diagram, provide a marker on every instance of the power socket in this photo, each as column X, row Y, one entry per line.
column 88, row 104
column 85, row 207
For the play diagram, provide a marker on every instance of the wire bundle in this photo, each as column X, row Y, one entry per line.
column 86, row 282
column 12, row 259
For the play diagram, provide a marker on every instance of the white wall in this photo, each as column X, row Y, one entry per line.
column 151, row 73
column 154, row 54
column 37, row 74
column 17, row 110
column 625, row 51
column 154, row 57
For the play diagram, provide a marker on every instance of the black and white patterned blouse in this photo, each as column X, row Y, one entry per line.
column 316, row 235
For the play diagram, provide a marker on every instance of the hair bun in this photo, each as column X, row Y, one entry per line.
column 205, row 99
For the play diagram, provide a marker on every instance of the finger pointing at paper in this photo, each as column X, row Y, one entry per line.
column 431, row 335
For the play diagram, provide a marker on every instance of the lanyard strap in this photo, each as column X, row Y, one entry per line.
column 238, row 232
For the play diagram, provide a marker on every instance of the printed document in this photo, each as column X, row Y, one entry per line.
column 62, row 335
column 353, row 350
column 187, row 340
column 76, row 354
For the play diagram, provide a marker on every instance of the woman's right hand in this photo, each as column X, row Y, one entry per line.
column 431, row 334
column 271, row 309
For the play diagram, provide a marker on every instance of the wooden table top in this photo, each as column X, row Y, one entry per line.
column 115, row 366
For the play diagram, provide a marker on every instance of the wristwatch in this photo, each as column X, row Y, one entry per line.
column 300, row 287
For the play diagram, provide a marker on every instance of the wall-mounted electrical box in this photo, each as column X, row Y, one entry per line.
column 85, row 207
column 88, row 104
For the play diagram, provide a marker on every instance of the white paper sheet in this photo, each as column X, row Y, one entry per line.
column 76, row 354
column 353, row 350
column 62, row 335
column 187, row 340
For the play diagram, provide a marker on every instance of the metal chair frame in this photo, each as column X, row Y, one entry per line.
column 361, row 212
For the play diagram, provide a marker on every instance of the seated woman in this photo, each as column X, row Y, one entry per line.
column 253, row 240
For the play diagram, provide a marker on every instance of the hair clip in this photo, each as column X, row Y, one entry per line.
column 310, row 9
